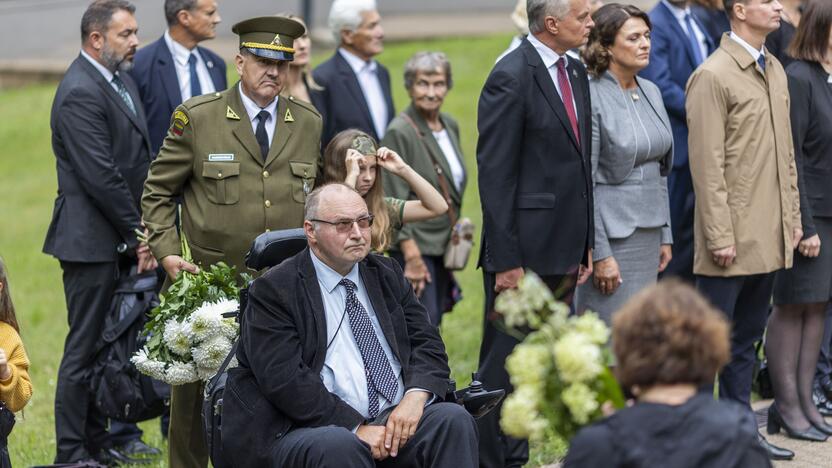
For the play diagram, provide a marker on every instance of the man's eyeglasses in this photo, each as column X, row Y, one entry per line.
column 345, row 225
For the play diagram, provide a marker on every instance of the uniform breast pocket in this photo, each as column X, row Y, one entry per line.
column 303, row 179
column 222, row 184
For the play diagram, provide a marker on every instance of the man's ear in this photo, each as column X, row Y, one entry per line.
column 309, row 230
column 184, row 17
column 96, row 40
column 347, row 36
column 238, row 62
column 551, row 25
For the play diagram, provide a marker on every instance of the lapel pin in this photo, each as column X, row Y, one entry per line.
column 288, row 117
column 210, row 64
column 230, row 114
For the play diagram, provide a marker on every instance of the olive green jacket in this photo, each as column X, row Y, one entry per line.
column 210, row 158
column 432, row 235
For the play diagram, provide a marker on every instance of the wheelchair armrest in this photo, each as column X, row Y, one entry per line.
column 475, row 398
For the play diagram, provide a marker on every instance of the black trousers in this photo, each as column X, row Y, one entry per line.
column 445, row 438
column 745, row 301
column 498, row 450
column 80, row 429
column 682, row 201
column 435, row 295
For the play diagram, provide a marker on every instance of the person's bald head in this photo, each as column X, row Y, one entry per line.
column 333, row 219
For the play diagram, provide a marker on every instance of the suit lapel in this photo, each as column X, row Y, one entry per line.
column 282, row 130
column 313, row 294
column 242, row 129
column 351, row 82
column 384, row 80
column 550, row 93
column 168, row 73
column 458, row 149
column 113, row 95
column 369, row 274
column 680, row 33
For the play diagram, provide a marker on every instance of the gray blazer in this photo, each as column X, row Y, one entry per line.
column 626, row 196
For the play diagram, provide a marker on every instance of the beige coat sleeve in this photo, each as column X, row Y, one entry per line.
column 707, row 116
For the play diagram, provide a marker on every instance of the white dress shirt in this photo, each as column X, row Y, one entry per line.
column 183, row 70
column 366, row 73
column 107, row 74
column 343, row 372
column 680, row 13
column 751, row 50
column 447, row 147
column 550, row 59
column 252, row 109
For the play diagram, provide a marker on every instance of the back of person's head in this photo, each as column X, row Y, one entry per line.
column 98, row 15
column 173, row 7
column 346, row 14
column 608, row 21
column 811, row 41
column 538, row 10
column 335, row 170
column 668, row 334
column 7, row 313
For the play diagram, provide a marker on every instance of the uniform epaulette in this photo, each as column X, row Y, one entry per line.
column 199, row 100
column 304, row 105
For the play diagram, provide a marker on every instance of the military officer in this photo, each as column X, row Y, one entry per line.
column 243, row 161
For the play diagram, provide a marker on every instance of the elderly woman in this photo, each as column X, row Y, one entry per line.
column 428, row 140
column 632, row 150
column 668, row 341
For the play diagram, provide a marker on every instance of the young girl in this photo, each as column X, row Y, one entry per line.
column 15, row 386
column 353, row 157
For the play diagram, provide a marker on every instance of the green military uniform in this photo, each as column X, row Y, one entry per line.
column 230, row 193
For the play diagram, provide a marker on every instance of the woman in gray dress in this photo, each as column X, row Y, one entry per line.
column 632, row 150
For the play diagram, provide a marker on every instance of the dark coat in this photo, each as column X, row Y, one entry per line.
column 282, row 349
column 535, row 181
column 341, row 102
column 102, row 153
column 155, row 74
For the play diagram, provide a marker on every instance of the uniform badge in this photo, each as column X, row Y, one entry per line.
column 230, row 114
column 288, row 117
column 180, row 121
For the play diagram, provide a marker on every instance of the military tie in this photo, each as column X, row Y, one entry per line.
column 196, row 89
column 122, row 91
column 380, row 378
column 262, row 136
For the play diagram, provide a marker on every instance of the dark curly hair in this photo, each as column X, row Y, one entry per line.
column 608, row 21
column 669, row 334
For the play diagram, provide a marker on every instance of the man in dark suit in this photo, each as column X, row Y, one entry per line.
column 103, row 152
column 535, row 184
column 679, row 45
column 356, row 88
column 339, row 365
column 174, row 68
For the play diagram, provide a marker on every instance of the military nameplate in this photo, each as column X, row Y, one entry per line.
column 230, row 114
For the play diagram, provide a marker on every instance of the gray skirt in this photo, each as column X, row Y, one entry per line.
column 810, row 279
column 638, row 261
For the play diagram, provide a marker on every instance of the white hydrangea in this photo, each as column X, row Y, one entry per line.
column 577, row 358
column 528, row 364
column 592, row 327
column 177, row 337
column 179, row 373
column 145, row 365
column 520, row 417
column 581, row 401
column 210, row 353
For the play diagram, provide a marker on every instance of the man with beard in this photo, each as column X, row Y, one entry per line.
column 242, row 161
column 103, row 152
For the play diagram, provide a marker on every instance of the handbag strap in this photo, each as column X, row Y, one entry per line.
column 443, row 182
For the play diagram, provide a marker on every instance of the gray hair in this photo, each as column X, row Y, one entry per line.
column 98, row 15
column 346, row 14
column 426, row 62
column 538, row 10
column 173, row 7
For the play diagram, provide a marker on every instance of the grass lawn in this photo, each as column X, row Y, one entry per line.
column 27, row 191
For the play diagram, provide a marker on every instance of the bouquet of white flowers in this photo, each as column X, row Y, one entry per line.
column 560, row 370
column 188, row 334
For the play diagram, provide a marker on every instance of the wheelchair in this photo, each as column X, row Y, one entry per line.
column 270, row 249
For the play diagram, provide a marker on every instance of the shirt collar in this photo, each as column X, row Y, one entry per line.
column 252, row 109
column 179, row 52
column 330, row 278
column 679, row 13
column 755, row 54
column 108, row 75
column 549, row 56
column 355, row 62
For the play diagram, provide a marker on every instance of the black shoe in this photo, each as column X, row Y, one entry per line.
column 775, row 423
column 823, row 427
column 774, row 452
column 137, row 448
column 822, row 403
column 112, row 457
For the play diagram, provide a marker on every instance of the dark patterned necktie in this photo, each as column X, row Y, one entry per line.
column 380, row 377
column 261, row 135
column 122, row 91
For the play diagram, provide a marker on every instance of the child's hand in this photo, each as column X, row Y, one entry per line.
column 391, row 161
column 5, row 370
column 353, row 163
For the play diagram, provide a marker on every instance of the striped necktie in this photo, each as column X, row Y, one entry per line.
column 122, row 91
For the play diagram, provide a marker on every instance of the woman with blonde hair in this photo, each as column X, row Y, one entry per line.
column 353, row 157
column 299, row 81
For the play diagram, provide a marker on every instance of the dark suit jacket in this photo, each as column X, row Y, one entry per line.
column 535, row 180
column 341, row 103
column 155, row 74
column 282, row 349
column 103, row 153
column 671, row 64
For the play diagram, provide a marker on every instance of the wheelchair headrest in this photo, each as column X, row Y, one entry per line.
column 271, row 248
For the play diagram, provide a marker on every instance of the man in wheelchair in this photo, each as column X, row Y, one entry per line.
column 338, row 364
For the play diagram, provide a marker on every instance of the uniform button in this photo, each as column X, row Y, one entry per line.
column 265, row 174
column 584, row 194
column 268, row 230
column 217, row 94
column 268, row 203
column 219, row 174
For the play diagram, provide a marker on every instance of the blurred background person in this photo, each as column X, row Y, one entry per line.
column 353, row 157
column 778, row 42
column 801, row 294
column 521, row 23
column 428, row 141
column 668, row 341
column 299, row 81
column 711, row 15
column 632, row 153
column 679, row 46
column 356, row 88
column 174, row 68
